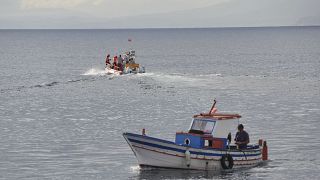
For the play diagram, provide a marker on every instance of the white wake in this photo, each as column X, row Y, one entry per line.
column 95, row 72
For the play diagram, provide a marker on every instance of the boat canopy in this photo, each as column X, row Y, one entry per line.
column 217, row 116
column 217, row 125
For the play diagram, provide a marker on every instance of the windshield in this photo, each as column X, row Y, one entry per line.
column 203, row 125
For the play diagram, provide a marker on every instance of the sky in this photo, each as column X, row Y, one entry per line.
column 92, row 14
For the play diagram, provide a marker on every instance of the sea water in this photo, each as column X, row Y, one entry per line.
column 62, row 117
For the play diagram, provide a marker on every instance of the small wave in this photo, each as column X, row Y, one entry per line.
column 50, row 84
column 76, row 80
column 94, row 72
column 44, row 85
column 210, row 75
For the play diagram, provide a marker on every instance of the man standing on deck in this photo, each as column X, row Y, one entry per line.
column 120, row 63
column 115, row 62
column 108, row 60
column 242, row 137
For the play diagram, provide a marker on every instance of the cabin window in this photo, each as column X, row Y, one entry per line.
column 206, row 126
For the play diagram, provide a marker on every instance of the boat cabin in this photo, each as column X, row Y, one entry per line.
column 209, row 131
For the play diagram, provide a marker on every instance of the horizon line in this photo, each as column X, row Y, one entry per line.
column 150, row 28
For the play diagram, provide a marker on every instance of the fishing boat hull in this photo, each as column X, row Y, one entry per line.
column 110, row 71
column 156, row 152
column 127, row 70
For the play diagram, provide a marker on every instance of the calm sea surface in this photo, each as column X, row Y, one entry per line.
column 61, row 117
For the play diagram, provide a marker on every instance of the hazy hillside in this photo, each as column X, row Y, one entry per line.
column 233, row 13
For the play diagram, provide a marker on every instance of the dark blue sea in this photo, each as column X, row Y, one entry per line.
column 62, row 117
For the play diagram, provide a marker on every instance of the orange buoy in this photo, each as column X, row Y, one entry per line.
column 265, row 151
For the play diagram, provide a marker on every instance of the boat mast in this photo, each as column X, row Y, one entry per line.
column 214, row 104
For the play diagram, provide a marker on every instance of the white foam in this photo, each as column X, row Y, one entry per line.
column 135, row 168
column 210, row 75
column 95, row 72
column 145, row 74
column 186, row 80
column 174, row 78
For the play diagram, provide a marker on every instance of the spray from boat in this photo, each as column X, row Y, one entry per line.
column 94, row 72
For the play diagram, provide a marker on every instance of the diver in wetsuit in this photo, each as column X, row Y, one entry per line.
column 108, row 60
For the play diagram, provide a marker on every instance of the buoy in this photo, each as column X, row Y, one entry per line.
column 265, row 151
column 143, row 131
column 188, row 157
column 229, row 163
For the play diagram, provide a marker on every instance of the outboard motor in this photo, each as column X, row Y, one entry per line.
column 142, row 70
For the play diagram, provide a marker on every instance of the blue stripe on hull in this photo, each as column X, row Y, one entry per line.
column 148, row 137
column 181, row 150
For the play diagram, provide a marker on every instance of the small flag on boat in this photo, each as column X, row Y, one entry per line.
column 214, row 110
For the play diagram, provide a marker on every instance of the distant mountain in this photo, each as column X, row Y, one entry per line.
column 309, row 21
column 52, row 19
column 233, row 13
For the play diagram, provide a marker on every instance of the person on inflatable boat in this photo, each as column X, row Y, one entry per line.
column 108, row 60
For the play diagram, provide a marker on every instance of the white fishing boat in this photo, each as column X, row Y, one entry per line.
column 207, row 145
column 128, row 65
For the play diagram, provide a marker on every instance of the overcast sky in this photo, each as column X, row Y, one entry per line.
column 156, row 13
